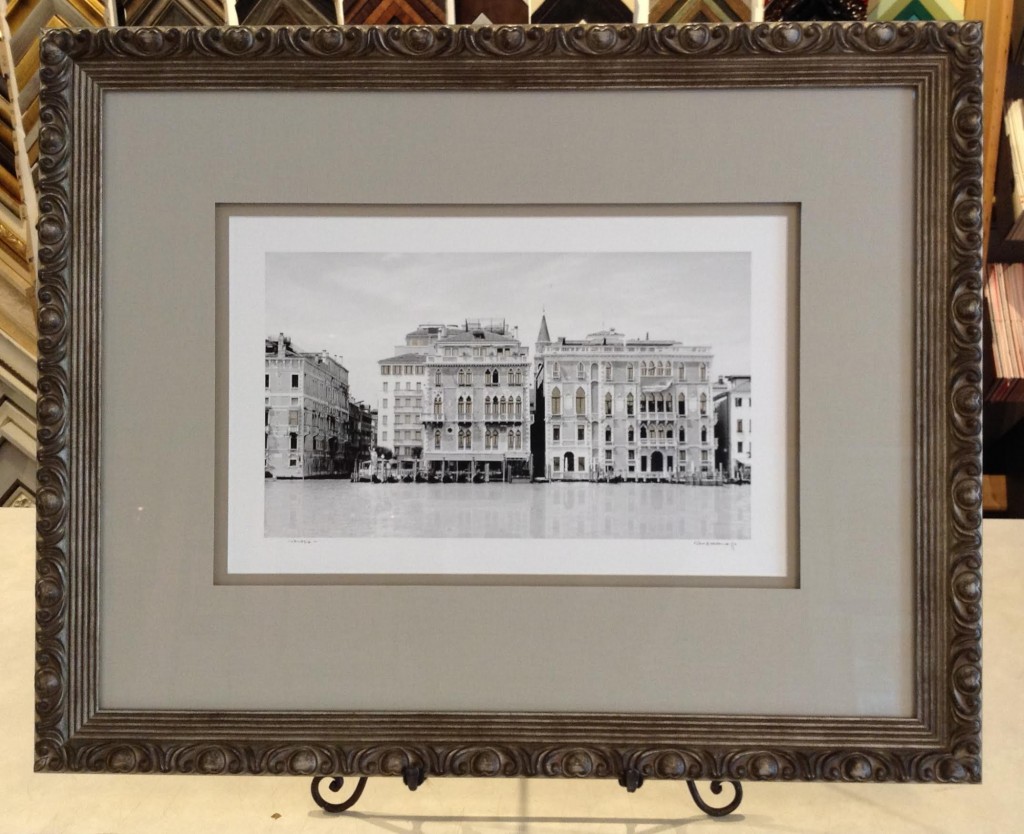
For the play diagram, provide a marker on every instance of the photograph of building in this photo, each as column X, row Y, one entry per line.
column 623, row 409
column 734, row 427
column 477, row 414
column 361, row 437
column 632, row 421
column 400, row 410
column 306, row 411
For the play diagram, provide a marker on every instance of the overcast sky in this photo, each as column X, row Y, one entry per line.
column 360, row 306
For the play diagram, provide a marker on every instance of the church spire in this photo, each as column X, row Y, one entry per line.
column 543, row 338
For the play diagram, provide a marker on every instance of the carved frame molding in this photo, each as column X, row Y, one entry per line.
column 940, row 742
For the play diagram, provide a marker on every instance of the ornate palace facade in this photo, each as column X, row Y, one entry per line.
column 610, row 407
column 456, row 403
column 477, row 414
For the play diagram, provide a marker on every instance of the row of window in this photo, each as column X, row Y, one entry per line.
column 318, row 443
column 398, row 385
column 652, row 433
column 493, row 407
column 513, row 439
column 408, row 419
column 649, row 404
column 646, row 369
column 402, row 434
column 464, row 376
column 406, row 370
column 478, row 352
column 662, row 404
column 402, row 402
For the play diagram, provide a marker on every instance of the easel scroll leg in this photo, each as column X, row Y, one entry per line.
column 716, row 788
column 335, row 785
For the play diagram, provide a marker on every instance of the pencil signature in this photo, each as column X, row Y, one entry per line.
column 713, row 543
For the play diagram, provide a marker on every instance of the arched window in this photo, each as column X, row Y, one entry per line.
column 462, row 439
column 682, row 434
column 511, row 439
column 437, row 439
column 469, row 406
column 556, row 371
column 643, row 404
column 703, row 402
column 682, row 405
column 631, row 434
column 703, row 434
column 503, row 408
column 462, row 408
column 519, row 439
column 661, row 403
column 437, row 377
column 437, row 406
column 608, row 405
column 607, row 372
column 629, row 405
column 629, row 372
column 668, row 433
column 519, row 378
column 556, row 402
column 643, row 369
column 581, row 401
column 469, row 438
column 643, row 432
column 661, row 369
column 519, row 406
column 703, row 373
column 682, row 372
column 580, row 372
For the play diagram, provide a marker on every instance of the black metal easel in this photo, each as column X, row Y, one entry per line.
column 413, row 777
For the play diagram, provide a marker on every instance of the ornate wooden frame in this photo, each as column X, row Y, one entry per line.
column 940, row 742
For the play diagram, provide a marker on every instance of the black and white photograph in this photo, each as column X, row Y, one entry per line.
column 508, row 395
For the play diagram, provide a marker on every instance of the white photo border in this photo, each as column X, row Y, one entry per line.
column 765, row 235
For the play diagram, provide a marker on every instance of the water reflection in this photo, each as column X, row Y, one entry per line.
column 332, row 509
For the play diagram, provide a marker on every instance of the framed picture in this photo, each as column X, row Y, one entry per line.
column 523, row 294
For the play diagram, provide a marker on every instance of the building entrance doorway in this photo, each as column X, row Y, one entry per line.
column 657, row 462
column 570, row 462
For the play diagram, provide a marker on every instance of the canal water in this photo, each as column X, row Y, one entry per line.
column 337, row 508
